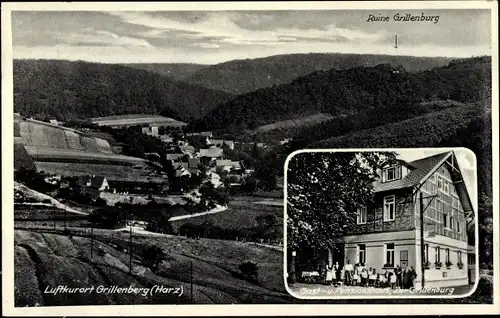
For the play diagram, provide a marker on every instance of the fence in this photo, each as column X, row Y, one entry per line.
column 123, row 241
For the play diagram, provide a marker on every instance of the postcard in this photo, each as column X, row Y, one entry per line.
column 245, row 158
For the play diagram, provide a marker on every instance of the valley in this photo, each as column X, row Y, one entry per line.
column 159, row 182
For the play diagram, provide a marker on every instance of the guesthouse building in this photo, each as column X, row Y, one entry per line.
column 387, row 232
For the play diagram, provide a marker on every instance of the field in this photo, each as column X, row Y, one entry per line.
column 294, row 123
column 46, row 142
column 37, row 133
column 41, row 153
column 48, row 259
column 136, row 119
column 240, row 214
column 112, row 172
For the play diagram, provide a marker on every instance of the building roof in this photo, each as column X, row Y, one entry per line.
column 95, row 182
column 213, row 152
column 194, row 162
column 223, row 162
column 422, row 168
column 180, row 165
column 174, row 156
column 236, row 164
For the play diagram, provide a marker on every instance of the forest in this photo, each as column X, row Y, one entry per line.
column 67, row 90
column 345, row 92
column 244, row 76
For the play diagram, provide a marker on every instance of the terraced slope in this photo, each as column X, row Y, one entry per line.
column 46, row 260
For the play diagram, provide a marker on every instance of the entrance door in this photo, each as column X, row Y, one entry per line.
column 338, row 253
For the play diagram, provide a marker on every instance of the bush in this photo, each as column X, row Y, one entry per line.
column 109, row 217
column 153, row 256
column 159, row 224
column 484, row 292
column 100, row 202
column 249, row 270
column 100, row 251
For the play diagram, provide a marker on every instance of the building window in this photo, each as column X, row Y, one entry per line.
column 440, row 182
column 445, row 220
column 389, row 254
column 437, row 254
column 389, row 208
column 433, row 178
column 448, row 255
column 392, row 173
column 452, row 223
column 361, row 253
column 459, row 256
column 361, row 215
column 446, row 187
column 458, row 226
column 426, row 252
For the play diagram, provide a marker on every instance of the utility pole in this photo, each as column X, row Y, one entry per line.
column 91, row 242
column 291, row 272
column 192, row 296
column 422, row 246
column 130, row 249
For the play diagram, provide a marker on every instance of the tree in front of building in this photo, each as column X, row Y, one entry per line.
column 323, row 192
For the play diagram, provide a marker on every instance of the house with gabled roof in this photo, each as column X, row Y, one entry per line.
column 175, row 156
column 95, row 182
column 193, row 163
column 221, row 142
column 387, row 232
column 93, row 185
column 212, row 153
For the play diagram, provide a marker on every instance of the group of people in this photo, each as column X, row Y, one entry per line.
column 359, row 275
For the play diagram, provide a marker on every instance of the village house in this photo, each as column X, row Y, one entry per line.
column 387, row 231
column 193, row 163
column 166, row 138
column 219, row 143
column 175, row 156
column 150, row 130
column 207, row 134
column 93, row 185
column 224, row 164
column 213, row 153
column 188, row 150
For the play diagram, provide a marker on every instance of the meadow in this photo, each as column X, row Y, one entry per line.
column 50, row 259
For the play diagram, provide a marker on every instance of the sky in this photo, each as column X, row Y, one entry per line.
column 210, row 37
column 466, row 162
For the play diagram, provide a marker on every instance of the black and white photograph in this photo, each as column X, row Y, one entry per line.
column 169, row 156
column 373, row 224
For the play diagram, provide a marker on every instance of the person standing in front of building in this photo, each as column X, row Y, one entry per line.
column 387, row 277
column 349, row 269
column 413, row 276
column 399, row 273
column 329, row 274
column 372, row 277
column 406, row 279
column 364, row 276
column 337, row 269
column 392, row 278
column 356, row 278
